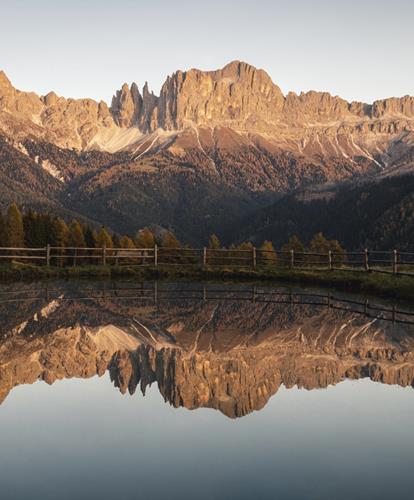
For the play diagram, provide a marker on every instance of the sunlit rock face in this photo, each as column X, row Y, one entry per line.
column 202, row 107
column 228, row 355
column 212, row 147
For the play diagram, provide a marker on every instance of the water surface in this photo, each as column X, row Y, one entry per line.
column 113, row 390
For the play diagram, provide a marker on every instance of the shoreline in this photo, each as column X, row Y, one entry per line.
column 382, row 285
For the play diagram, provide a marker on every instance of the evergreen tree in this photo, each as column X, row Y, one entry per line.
column 214, row 257
column 214, row 242
column 75, row 236
column 266, row 254
column 59, row 235
column 319, row 244
column 30, row 225
column 104, row 239
column 45, row 229
column 246, row 245
column 14, row 227
column 170, row 241
column 126, row 242
column 296, row 245
column 339, row 254
column 3, row 235
column 116, row 240
column 90, row 236
column 145, row 239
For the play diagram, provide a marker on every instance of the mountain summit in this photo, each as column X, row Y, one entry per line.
column 212, row 146
column 238, row 96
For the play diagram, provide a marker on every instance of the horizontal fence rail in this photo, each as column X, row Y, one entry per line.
column 159, row 293
column 389, row 262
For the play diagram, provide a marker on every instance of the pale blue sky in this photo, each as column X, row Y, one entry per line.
column 357, row 49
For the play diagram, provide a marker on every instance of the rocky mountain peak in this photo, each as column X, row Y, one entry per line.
column 4, row 81
column 50, row 99
column 127, row 105
column 236, row 94
column 394, row 106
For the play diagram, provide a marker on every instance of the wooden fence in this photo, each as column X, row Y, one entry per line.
column 392, row 262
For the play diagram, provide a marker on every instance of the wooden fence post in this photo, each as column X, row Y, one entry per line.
column 48, row 255
column 330, row 259
column 104, row 255
column 254, row 256
column 395, row 262
column 204, row 256
column 366, row 255
column 156, row 255
column 292, row 259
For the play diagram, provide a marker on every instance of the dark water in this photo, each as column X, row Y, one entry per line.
column 121, row 390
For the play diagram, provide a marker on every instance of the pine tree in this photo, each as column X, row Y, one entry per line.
column 30, row 225
column 90, row 236
column 126, row 242
column 3, row 235
column 339, row 254
column 170, row 241
column 319, row 244
column 104, row 239
column 214, row 242
column 76, row 239
column 45, row 222
column 214, row 257
column 75, row 236
column 14, row 227
column 296, row 245
column 59, row 237
column 266, row 254
column 145, row 239
column 246, row 245
column 116, row 240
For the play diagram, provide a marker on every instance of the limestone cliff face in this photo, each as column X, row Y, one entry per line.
column 65, row 122
column 238, row 96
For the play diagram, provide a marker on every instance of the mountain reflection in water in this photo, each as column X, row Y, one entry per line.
column 227, row 347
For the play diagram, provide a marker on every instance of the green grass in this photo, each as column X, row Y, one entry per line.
column 384, row 285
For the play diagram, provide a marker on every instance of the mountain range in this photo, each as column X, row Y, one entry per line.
column 211, row 152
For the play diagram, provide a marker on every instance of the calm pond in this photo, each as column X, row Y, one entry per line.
column 208, row 391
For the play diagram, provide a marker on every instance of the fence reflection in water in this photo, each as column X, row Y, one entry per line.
column 154, row 292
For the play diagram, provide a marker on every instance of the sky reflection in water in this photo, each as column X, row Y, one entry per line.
column 82, row 438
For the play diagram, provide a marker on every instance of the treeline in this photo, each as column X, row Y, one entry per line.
column 31, row 229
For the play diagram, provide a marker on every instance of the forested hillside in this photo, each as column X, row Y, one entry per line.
column 376, row 214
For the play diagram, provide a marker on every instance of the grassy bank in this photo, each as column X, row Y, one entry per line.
column 383, row 285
